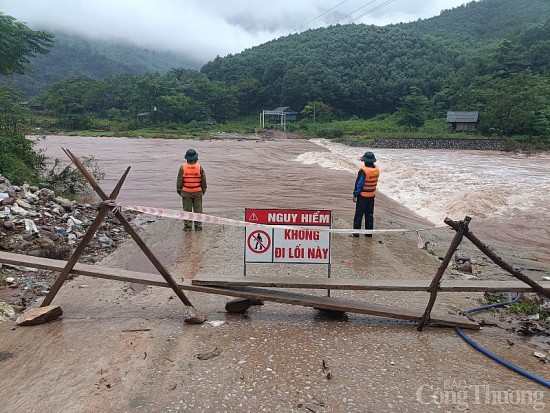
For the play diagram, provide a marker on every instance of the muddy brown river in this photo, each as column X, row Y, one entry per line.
column 506, row 195
column 124, row 348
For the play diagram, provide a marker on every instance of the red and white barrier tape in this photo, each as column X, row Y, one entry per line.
column 211, row 219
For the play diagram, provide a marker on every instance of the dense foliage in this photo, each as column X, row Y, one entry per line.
column 491, row 56
column 18, row 43
column 18, row 161
column 357, row 69
column 481, row 23
column 180, row 96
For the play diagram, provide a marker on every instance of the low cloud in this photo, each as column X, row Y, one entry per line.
column 204, row 29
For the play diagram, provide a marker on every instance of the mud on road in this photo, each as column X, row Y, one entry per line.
column 125, row 348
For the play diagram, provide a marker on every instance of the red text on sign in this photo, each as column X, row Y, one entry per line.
column 301, row 234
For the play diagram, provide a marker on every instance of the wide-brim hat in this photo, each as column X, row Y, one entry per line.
column 191, row 155
column 368, row 157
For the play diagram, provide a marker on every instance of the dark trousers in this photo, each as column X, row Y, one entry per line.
column 364, row 207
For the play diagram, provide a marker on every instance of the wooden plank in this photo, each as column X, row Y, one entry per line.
column 327, row 303
column 130, row 230
column 367, row 284
column 336, row 304
column 275, row 282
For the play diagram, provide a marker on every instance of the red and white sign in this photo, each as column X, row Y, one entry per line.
column 259, row 242
column 300, row 241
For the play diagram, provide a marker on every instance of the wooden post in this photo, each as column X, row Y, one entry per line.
column 165, row 274
column 461, row 228
column 497, row 260
column 83, row 244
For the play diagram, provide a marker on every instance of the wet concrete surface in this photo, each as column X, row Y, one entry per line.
column 122, row 348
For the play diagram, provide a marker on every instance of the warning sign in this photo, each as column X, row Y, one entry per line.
column 302, row 217
column 303, row 244
column 259, row 242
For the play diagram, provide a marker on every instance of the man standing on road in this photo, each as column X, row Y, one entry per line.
column 364, row 192
column 191, row 186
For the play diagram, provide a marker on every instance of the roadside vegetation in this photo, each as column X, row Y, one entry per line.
column 19, row 161
column 529, row 304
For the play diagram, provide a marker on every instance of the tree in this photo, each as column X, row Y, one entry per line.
column 317, row 110
column 11, row 114
column 179, row 107
column 516, row 105
column 413, row 110
column 18, row 161
column 18, row 43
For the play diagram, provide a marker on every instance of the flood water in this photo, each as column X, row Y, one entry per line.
column 271, row 357
column 507, row 195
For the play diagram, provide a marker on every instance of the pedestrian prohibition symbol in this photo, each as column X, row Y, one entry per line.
column 259, row 242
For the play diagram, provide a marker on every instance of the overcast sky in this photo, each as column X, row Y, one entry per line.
column 204, row 29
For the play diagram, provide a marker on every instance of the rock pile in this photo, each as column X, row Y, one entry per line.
column 34, row 221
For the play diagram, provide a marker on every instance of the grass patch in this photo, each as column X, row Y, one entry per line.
column 524, row 308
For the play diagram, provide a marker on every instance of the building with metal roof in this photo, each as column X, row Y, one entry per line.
column 463, row 121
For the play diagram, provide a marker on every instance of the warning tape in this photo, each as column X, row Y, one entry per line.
column 211, row 219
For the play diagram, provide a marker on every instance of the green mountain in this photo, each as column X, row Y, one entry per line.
column 73, row 56
column 479, row 23
column 491, row 56
column 366, row 70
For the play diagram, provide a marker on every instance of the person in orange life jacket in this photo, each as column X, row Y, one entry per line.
column 191, row 186
column 364, row 193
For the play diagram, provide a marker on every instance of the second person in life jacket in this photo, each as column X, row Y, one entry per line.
column 191, row 186
column 364, row 193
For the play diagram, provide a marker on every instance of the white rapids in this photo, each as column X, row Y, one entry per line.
column 451, row 183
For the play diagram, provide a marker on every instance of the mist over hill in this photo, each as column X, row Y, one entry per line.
column 75, row 56
column 358, row 69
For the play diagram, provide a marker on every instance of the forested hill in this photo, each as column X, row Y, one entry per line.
column 359, row 69
column 482, row 22
column 74, row 56
column 365, row 70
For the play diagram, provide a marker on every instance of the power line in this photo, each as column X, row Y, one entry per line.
column 347, row 15
column 350, row 19
column 321, row 15
column 373, row 9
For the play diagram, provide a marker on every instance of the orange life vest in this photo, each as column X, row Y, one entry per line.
column 371, row 179
column 191, row 177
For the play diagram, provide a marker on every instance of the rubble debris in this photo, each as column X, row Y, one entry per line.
column 326, row 369
column 240, row 305
column 462, row 257
column 209, row 354
column 4, row 355
column 6, row 312
column 39, row 315
column 543, row 358
column 34, row 221
column 215, row 323
column 194, row 317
